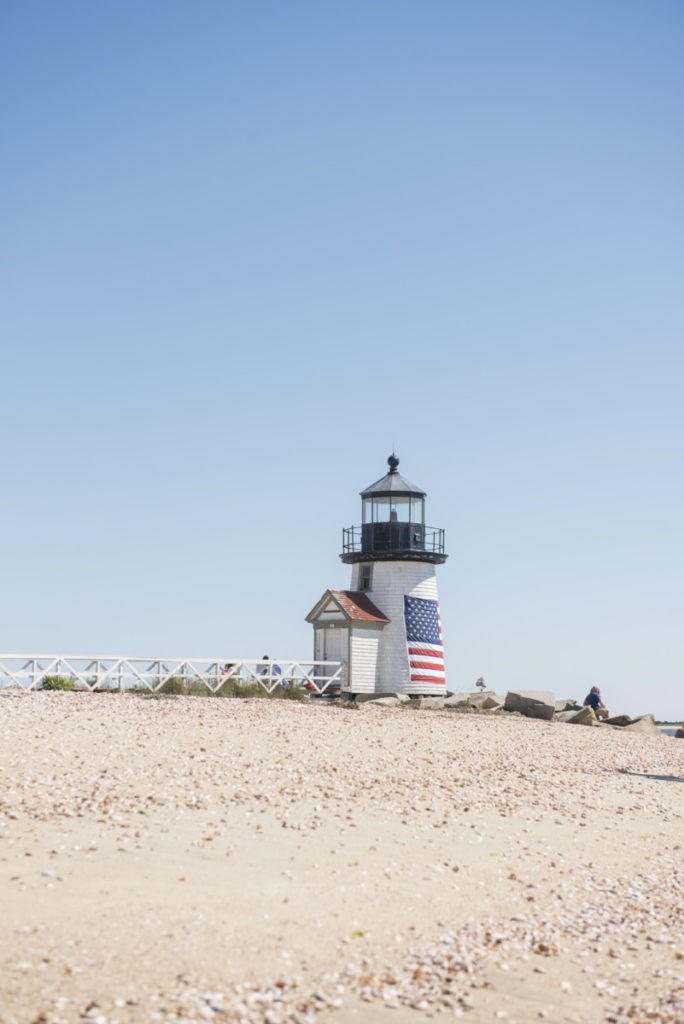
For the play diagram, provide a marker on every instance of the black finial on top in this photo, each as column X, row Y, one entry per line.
column 393, row 462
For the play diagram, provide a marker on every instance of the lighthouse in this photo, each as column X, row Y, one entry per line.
column 386, row 629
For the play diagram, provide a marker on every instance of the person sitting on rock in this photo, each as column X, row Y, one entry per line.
column 593, row 700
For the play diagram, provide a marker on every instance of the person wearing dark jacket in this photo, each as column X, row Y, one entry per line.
column 593, row 701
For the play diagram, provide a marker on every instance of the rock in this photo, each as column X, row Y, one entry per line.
column 486, row 700
column 384, row 702
column 569, row 704
column 619, row 720
column 679, row 735
column 478, row 699
column 459, row 700
column 491, row 701
column 644, row 724
column 531, row 703
column 430, row 703
column 582, row 716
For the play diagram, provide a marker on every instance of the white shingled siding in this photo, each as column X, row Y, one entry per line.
column 391, row 580
column 363, row 667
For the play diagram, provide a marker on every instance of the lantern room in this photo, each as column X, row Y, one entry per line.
column 393, row 523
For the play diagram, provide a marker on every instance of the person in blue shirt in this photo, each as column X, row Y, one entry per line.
column 269, row 669
column 593, row 700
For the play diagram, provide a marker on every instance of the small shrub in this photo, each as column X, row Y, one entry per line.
column 236, row 688
column 195, row 687
column 57, row 683
column 289, row 692
column 175, row 685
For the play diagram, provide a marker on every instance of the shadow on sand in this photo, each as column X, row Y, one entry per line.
column 658, row 778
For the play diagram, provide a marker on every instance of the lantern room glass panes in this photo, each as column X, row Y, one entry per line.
column 400, row 511
column 388, row 509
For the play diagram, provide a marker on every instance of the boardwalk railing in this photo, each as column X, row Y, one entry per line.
column 29, row 671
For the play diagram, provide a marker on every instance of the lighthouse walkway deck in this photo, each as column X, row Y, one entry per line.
column 109, row 672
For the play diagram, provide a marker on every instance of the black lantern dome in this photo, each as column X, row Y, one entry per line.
column 393, row 524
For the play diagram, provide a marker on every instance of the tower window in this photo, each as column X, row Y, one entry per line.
column 365, row 577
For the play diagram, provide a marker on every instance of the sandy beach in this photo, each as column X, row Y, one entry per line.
column 192, row 859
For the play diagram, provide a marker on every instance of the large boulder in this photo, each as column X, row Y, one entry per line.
column 491, row 702
column 464, row 700
column 679, row 734
column 458, row 700
column 487, row 700
column 478, row 699
column 430, row 703
column 531, row 703
column 619, row 720
column 644, row 724
column 583, row 716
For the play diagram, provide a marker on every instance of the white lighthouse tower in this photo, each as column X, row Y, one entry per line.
column 386, row 628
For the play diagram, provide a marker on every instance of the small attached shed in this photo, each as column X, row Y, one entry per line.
column 347, row 628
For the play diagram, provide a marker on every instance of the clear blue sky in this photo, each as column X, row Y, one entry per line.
column 248, row 247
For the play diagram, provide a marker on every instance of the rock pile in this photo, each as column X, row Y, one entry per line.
column 543, row 704
column 487, row 700
column 528, row 703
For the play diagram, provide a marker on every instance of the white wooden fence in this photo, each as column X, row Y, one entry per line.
column 28, row 672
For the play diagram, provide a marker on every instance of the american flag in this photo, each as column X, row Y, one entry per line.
column 424, row 640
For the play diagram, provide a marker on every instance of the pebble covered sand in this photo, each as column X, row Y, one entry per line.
column 197, row 859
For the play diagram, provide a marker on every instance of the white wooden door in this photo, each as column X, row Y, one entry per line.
column 335, row 644
column 336, row 648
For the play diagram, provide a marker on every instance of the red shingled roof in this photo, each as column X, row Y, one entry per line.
column 358, row 605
